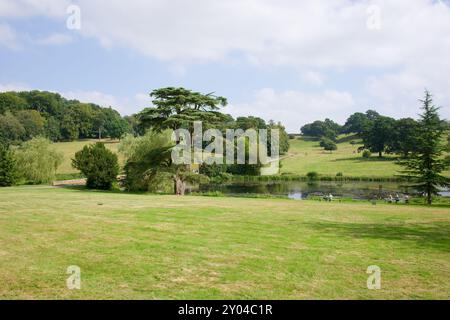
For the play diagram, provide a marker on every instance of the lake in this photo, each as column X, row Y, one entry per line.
column 300, row 190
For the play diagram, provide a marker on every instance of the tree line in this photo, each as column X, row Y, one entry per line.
column 28, row 114
column 380, row 134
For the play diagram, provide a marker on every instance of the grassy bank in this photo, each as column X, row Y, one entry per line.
column 155, row 247
column 305, row 155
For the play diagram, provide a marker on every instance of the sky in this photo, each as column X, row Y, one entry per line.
column 287, row 60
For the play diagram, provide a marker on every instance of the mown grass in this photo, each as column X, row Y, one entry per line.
column 68, row 149
column 158, row 247
column 305, row 155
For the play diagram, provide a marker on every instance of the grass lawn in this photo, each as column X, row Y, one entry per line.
column 155, row 247
column 305, row 156
column 69, row 149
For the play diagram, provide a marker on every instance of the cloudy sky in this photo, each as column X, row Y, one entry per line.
column 289, row 60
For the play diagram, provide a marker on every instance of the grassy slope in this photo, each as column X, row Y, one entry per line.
column 70, row 148
column 306, row 156
column 137, row 246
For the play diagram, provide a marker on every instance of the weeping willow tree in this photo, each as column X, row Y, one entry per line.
column 38, row 160
column 149, row 165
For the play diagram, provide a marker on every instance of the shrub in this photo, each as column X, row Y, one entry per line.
column 312, row 176
column 328, row 144
column 38, row 161
column 339, row 174
column 98, row 164
column 366, row 154
column 8, row 167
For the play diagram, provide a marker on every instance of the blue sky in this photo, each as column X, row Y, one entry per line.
column 291, row 61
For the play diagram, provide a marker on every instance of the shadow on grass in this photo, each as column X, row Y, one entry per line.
column 435, row 236
column 359, row 158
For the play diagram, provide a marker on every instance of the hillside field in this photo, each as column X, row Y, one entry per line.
column 305, row 155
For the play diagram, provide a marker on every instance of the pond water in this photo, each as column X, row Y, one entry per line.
column 302, row 190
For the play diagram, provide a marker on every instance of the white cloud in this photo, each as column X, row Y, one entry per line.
column 55, row 39
column 26, row 8
column 8, row 37
column 313, row 78
column 327, row 35
column 102, row 99
column 295, row 108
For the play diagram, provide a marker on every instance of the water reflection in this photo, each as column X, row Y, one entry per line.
column 302, row 190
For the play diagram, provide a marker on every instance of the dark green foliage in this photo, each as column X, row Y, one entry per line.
column 50, row 115
column 426, row 163
column 322, row 129
column 32, row 122
column 8, row 167
column 178, row 108
column 379, row 134
column 328, row 145
column 312, row 176
column 366, row 154
column 404, row 137
column 11, row 130
column 98, row 164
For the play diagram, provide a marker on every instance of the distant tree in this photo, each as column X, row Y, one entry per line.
column 69, row 128
column 8, row 167
column 32, row 122
column 98, row 164
column 404, row 137
column 250, row 122
column 38, row 161
column 179, row 108
column 379, row 134
column 10, row 101
column 134, row 125
column 356, row 123
column 322, row 129
column 328, row 145
column 283, row 137
column 52, row 129
column 11, row 130
column 426, row 163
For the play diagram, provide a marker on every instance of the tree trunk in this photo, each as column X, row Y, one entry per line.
column 380, row 154
column 429, row 198
column 179, row 186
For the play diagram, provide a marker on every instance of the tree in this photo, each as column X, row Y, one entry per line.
column 356, row 123
column 328, row 145
column 98, row 164
column 283, row 137
column 8, row 167
column 149, row 162
column 32, row 122
column 404, row 137
column 319, row 129
column 379, row 134
column 11, row 130
column 38, row 161
column 10, row 101
column 426, row 162
column 178, row 108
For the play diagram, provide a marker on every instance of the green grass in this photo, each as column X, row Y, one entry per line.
column 156, row 247
column 305, row 155
column 69, row 149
